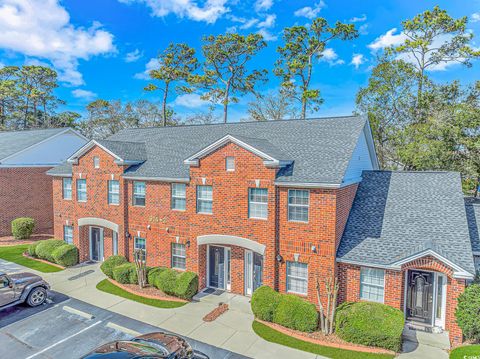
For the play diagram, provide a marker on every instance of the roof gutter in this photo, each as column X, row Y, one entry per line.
column 317, row 184
column 159, row 179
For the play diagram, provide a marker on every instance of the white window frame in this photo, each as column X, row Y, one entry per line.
column 65, row 234
column 137, row 195
column 230, row 163
column 175, row 196
column 135, row 246
column 290, row 205
column 362, row 284
column 184, row 257
column 200, row 199
column 110, row 192
column 288, row 263
column 96, row 162
column 253, row 203
column 82, row 180
column 65, row 188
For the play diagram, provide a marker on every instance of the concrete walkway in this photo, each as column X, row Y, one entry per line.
column 231, row 331
column 420, row 344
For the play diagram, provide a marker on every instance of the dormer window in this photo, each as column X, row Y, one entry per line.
column 230, row 164
column 96, row 162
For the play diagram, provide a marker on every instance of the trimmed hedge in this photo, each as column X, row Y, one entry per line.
column 66, row 255
column 44, row 249
column 467, row 312
column 371, row 324
column 125, row 273
column 264, row 303
column 167, row 281
column 153, row 274
column 22, row 228
column 187, row 285
column 296, row 313
column 32, row 248
column 111, row 263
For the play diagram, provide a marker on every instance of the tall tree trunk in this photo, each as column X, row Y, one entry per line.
column 164, row 105
column 225, row 102
column 304, row 109
column 477, row 184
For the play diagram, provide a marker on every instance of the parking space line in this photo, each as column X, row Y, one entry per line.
column 63, row 340
column 77, row 312
column 128, row 331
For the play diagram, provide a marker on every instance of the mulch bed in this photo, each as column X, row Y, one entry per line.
column 214, row 314
column 325, row 340
column 42, row 260
column 147, row 292
column 11, row 241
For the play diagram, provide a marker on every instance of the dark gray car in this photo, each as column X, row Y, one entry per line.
column 22, row 288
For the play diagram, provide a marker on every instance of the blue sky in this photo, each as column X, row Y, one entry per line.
column 102, row 48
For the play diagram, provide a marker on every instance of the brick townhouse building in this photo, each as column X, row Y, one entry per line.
column 278, row 203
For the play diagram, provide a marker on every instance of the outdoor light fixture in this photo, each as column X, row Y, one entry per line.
column 187, row 244
column 127, row 235
column 279, row 258
column 314, row 249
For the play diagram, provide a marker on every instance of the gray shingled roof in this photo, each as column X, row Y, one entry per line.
column 64, row 169
column 472, row 206
column 398, row 214
column 126, row 150
column 12, row 142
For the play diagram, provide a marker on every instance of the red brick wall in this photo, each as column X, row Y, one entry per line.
column 26, row 192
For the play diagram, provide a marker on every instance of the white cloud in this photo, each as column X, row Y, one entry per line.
column 263, row 5
column 387, row 40
column 359, row 18
column 357, row 60
column 267, row 36
column 475, row 17
column 42, row 29
column 209, row 12
column 149, row 66
column 133, row 55
column 2, row 65
column 190, row 100
column 84, row 94
column 310, row 12
column 268, row 22
column 249, row 23
column 329, row 55
column 362, row 30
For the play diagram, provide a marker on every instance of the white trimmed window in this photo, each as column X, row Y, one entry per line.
column 297, row 277
column 68, row 234
column 372, row 284
column 140, row 244
column 178, row 256
column 81, row 190
column 258, row 203
column 96, row 162
column 113, row 192
column 67, row 188
column 204, row 199
column 138, row 193
column 230, row 163
column 179, row 196
column 298, row 203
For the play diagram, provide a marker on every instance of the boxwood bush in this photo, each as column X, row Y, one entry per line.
column 32, row 249
column 125, row 273
column 66, row 255
column 110, row 263
column 44, row 249
column 187, row 285
column 153, row 275
column 167, row 281
column 372, row 324
column 264, row 303
column 296, row 313
column 468, row 312
column 22, row 228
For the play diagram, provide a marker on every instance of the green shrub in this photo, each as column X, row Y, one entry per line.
column 66, row 255
column 372, row 324
column 45, row 248
column 22, row 228
column 153, row 275
column 125, row 273
column 32, row 249
column 110, row 263
column 296, row 313
column 167, row 281
column 468, row 312
column 264, row 303
column 187, row 285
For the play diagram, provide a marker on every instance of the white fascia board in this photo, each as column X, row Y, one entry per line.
column 371, row 144
column 74, row 158
column 158, row 179
column 29, row 165
column 59, row 175
column 317, row 184
column 476, row 253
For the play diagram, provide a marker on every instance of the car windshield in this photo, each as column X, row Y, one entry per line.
column 142, row 348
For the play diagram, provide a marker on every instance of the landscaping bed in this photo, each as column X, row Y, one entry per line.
column 11, row 241
column 15, row 254
column 146, row 292
column 26, row 255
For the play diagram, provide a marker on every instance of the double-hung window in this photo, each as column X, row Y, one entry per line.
column 67, row 188
column 113, row 192
column 258, row 203
column 372, row 284
column 230, row 164
column 81, row 190
column 138, row 193
column 68, row 234
column 298, row 203
column 297, row 277
column 140, row 244
column 179, row 196
column 204, row 199
column 178, row 256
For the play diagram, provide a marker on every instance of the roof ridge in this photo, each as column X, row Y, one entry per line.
column 37, row 129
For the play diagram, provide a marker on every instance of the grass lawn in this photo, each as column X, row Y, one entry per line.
column 274, row 336
column 466, row 352
column 107, row 286
column 15, row 254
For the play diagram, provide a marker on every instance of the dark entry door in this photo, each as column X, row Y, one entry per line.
column 420, row 296
column 95, row 244
column 217, row 267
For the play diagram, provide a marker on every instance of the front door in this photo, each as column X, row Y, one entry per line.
column 216, row 267
column 96, row 244
column 420, row 296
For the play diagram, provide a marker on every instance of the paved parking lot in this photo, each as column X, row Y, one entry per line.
column 69, row 328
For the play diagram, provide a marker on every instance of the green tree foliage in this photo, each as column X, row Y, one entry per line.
column 176, row 65
column 273, row 106
column 303, row 45
column 467, row 312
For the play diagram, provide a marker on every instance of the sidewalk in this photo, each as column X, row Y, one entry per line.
column 231, row 331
